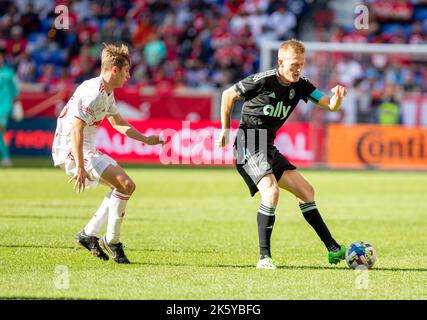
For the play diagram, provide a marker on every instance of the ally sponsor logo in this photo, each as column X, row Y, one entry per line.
column 278, row 111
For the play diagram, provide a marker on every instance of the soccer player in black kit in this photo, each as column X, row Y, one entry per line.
column 270, row 97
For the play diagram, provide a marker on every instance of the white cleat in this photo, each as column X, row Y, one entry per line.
column 266, row 263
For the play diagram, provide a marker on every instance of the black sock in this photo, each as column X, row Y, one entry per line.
column 312, row 215
column 265, row 219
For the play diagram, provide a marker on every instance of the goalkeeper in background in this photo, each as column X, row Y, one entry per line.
column 270, row 97
column 8, row 94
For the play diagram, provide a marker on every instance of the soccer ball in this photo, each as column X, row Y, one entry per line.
column 360, row 254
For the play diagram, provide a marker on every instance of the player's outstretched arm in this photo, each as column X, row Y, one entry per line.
column 333, row 103
column 227, row 104
column 124, row 127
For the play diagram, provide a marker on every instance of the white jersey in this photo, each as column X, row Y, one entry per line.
column 90, row 103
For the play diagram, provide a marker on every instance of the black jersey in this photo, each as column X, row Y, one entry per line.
column 269, row 102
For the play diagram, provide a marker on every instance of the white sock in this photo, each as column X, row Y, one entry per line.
column 99, row 218
column 116, row 212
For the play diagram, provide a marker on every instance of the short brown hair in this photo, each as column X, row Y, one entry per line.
column 114, row 56
column 294, row 44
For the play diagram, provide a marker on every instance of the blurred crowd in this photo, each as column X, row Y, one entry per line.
column 209, row 44
column 194, row 43
column 380, row 85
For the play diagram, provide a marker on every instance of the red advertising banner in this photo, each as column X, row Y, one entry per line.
column 193, row 143
column 301, row 143
column 162, row 106
column 131, row 103
column 43, row 104
column 188, row 143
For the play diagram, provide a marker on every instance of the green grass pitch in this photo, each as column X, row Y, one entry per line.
column 191, row 234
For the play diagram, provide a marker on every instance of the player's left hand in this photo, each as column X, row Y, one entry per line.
column 80, row 176
column 223, row 138
column 339, row 91
column 153, row 140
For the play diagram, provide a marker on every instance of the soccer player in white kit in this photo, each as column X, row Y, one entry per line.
column 74, row 151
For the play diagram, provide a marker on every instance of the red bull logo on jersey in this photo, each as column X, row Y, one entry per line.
column 279, row 111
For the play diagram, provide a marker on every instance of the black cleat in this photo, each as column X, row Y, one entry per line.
column 91, row 243
column 114, row 250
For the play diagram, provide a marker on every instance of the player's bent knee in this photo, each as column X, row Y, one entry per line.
column 274, row 192
column 308, row 194
column 271, row 194
column 128, row 186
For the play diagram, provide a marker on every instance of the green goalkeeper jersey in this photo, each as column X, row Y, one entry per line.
column 8, row 90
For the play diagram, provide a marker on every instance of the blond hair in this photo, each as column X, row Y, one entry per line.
column 293, row 44
column 114, row 56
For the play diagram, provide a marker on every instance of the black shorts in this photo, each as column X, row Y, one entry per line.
column 255, row 160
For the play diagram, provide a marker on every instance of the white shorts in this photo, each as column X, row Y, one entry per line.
column 95, row 163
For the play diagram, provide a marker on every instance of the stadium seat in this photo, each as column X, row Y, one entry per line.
column 420, row 14
column 391, row 28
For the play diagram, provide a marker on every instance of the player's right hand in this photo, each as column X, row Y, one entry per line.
column 223, row 138
column 80, row 177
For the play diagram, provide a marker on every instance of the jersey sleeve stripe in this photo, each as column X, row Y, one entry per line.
column 264, row 74
column 239, row 88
